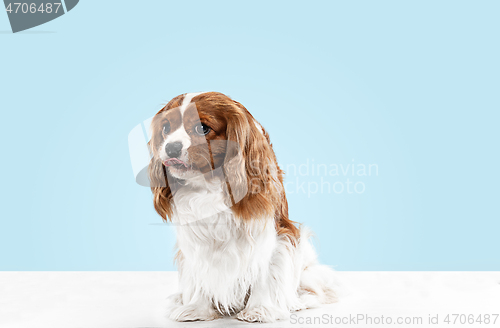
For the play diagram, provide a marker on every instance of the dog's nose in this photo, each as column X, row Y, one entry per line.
column 173, row 149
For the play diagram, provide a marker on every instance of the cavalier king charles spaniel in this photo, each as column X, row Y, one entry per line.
column 214, row 175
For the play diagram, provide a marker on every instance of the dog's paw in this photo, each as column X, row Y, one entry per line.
column 193, row 312
column 298, row 306
column 261, row 314
column 172, row 303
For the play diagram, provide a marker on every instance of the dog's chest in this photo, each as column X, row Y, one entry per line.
column 217, row 258
column 221, row 254
column 207, row 231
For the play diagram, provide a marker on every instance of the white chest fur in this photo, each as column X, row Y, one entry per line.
column 222, row 256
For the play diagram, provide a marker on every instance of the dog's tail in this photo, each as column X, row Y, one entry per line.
column 318, row 283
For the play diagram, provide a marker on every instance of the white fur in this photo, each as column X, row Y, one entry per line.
column 180, row 135
column 258, row 126
column 224, row 258
column 187, row 100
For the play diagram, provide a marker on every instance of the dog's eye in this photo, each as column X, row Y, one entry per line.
column 202, row 129
column 166, row 128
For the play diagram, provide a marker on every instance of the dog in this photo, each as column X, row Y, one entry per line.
column 214, row 175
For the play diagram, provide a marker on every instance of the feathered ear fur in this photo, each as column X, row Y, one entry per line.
column 162, row 194
column 162, row 191
column 257, row 167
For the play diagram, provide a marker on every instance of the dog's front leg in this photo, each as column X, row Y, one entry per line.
column 274, row 294
column 262, row 305
column 190, row 304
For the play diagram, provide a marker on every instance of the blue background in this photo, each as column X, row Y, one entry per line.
column 410, row 86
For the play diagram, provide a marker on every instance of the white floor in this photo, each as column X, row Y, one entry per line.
column 136, row 299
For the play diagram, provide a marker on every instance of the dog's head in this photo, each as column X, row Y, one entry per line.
column 209, row 135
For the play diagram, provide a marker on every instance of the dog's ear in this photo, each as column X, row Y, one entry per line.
column 162, row 193
column 254, row 169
